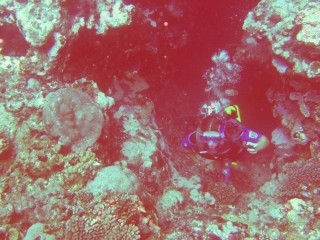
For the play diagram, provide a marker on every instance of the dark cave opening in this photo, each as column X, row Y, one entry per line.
column 256, row 111
column 13, row 43
column 173, row 57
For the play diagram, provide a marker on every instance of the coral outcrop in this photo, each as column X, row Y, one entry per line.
column 291, row 28
column 45, row 24
column 74, row 117
column 108, row 216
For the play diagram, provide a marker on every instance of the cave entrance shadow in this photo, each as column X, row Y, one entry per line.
column 256, row 110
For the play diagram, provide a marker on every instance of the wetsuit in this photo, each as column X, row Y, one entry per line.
column 228, row 142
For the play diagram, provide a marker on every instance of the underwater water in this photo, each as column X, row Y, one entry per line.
column 167, row 119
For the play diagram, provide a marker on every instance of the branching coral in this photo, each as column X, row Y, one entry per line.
column 114, row 216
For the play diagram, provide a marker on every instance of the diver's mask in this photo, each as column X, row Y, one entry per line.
column 212, row 107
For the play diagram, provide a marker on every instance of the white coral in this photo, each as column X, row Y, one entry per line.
column 113, row 13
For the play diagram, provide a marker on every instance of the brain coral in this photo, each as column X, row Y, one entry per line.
column 74, row 117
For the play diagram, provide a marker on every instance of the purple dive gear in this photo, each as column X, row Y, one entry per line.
column 250, row 136
column 190, row 140
column 209, row 138
column 227, row 170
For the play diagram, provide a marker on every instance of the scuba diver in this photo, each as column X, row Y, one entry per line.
column 221, row 136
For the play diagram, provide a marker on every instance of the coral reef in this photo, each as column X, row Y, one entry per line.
column 82, row 155
column 138, row 123
column 300, row 178
column 112, row 14
column 291, row 28
column 37, row 21
column 46, row 27
column 108, row 216
column 223, row 193
column 74, row 117
column 36, row 231
column 113, row 178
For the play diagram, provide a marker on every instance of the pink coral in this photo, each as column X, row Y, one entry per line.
column 299, row 177
column 225, row 194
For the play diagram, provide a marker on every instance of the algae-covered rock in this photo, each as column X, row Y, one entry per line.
column 37, row 20
column 292, row 30
column 113, row 178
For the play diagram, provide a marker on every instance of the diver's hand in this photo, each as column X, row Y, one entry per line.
column 251, row 147
column 252, row 150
